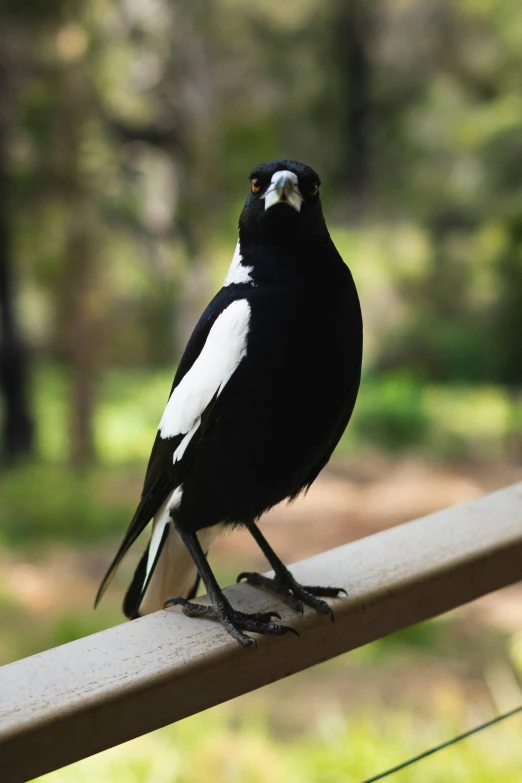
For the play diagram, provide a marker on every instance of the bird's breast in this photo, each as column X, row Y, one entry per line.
column 302, row 354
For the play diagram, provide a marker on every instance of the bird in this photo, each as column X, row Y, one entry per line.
column 263, row 392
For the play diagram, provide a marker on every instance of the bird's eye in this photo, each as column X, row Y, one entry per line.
column 256, row 187
column 315, row 190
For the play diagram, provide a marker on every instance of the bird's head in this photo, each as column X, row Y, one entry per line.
column 283, row 201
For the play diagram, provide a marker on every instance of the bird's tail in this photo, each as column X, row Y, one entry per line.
column 165, row 570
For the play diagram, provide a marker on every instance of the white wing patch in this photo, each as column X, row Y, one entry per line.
column 226, row 345
column 237, row 273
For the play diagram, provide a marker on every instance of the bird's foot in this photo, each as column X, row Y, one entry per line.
column 294, row 594
column 233, row 620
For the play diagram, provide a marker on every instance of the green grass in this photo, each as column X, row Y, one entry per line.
column 398, row 412
column 130, row 405
column 45, row 502
column 223, row 745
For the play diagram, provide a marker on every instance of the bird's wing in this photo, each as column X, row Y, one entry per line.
column 346, row 413
column 336, row 437
column 215, row 349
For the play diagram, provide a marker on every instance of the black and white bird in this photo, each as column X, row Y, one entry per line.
column 263, row 393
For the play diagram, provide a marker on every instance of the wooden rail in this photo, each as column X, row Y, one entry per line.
column 81, row 698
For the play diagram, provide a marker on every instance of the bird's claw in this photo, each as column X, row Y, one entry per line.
column 235, row 621
column 294, row 594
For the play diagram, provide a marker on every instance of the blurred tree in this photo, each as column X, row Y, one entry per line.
column 17, row 434
column 183, row 121
column 139, row 122
column 448, row 157
column 57, row 107
column 352, row 29
column 191, row 94
column 80, row 278
column 508, row 310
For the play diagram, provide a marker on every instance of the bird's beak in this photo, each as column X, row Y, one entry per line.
column 284, row 189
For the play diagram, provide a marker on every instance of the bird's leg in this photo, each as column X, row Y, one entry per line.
column 284, row 583
column 232, row 620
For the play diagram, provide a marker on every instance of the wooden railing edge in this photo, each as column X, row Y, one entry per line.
column 78, row 699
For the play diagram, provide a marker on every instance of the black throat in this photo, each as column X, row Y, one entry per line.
column 287, row 257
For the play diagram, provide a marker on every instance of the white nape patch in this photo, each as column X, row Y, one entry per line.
column 226, row 345
column 160, row 521
column 237, row 273
column 283, row 188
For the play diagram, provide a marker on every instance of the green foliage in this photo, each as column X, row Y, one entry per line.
column 129, row 408
column 218, row 746
column 391, row 412
column 42, row 503
column 422, row 639
column 437, row 253
column 399, row 412
column 472, row 423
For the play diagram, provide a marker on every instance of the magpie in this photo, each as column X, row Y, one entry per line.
column 264, row 391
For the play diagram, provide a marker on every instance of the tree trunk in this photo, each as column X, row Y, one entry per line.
column 191, row 75
column 79, row 289
column 17, row 435
column 352, row 36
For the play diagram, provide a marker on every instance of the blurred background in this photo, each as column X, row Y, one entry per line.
column 127, row 132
